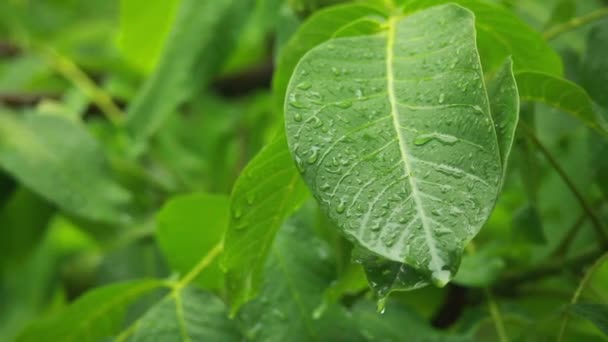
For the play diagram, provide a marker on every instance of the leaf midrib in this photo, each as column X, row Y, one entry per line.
column 403, row 148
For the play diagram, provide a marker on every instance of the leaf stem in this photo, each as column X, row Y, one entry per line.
column 579, row 291
column 574, row 23
column 68, row 69
column 496, row 316
column 564, row 245
column 187, row 279
column 595, row 220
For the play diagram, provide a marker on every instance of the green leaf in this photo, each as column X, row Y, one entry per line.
column 299, row 268
column 320, row 27
column 186, row 315
column 596, row 313
column 202, row 37
column 528, row 224
column 594, row 69
column 395, row 138
column 188, row 227
column 563, row 95
column 59, row 160
column 97, row 314
column 504, row 105
column 21, row 230
column 500, row 33
column 144, row 26
column 268, row 190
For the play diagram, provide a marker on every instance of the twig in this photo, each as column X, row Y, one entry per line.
column 68, row 69
column 574, row 23
column 595, row 220
column 579, row 291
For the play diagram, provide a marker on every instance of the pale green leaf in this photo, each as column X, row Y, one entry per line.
column 563, row 95
column 268, row 190
column 500, row 33
column 188, row 227
column 186, row 315
column 59, row 160
column 144, row 26
column 596, row 313
column 97, row 314
column 395, row 138
column 202, row 37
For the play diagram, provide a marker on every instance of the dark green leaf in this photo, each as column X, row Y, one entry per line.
column 268, row 190
column 563, row 95
column 596, row 313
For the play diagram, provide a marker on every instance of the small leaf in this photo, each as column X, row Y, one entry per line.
column 59, row 160
column 268, row 190
column 563, row 95
column 480, row 269
column 188, row 227
column 202, row 36
column 186, row 315
column 96, row 315
column 396, row 140
column 596, row 313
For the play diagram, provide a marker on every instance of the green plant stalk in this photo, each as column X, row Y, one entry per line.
column 496, row 316
column 574, row 23
column 187, row 279
column 597, row 223
column 579, row 291
column 68, row 69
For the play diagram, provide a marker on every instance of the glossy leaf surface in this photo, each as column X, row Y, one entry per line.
column 394, row 135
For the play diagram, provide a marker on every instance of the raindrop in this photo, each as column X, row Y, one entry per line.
column 441, row 98
column 304, row 85
column 341, row 207
column 344, row 104
column 297, row 117
column 427, row 137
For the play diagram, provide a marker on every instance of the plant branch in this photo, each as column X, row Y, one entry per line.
column 187, row 279
column 564, row 245
column 595, row 220
column 574, row 23
column 550, row 268
column 68, row 69
column 496, row 316
column 579, row 291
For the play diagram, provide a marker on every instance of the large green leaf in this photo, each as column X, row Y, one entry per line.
column 202, row 36
column 320, row 27
column 267, row 192
column 500, row 33
column 97, row 314
column 395, row 138
column 189, row 226
column 186, row 315
column 59, row 160
column 564, row 95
